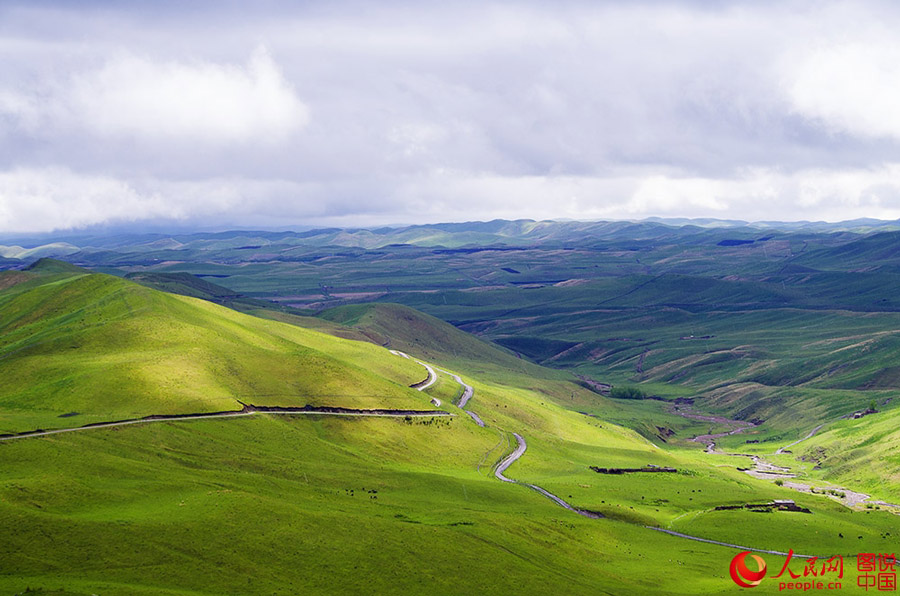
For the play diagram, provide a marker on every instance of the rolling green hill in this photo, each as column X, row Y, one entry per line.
column 186, row 284
column 400, row 327
column 285, row 504
column 95, row 347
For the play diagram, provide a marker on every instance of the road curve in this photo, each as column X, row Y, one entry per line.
column 475, row 417
column 429, row 380
column 809, row 436
column 521, row 446
column 248, row 410
column 468, row 391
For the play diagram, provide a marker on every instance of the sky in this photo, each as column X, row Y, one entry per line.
column 280, row 114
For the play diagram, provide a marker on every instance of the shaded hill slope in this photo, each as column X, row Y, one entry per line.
column 187, row 284
column 403, row 328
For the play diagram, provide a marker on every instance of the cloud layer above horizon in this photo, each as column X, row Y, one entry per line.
column 361, row 114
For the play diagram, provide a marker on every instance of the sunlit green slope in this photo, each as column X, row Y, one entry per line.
column 316, row 504
column 96, row 347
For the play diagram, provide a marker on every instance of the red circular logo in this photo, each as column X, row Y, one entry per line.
column 742, row 575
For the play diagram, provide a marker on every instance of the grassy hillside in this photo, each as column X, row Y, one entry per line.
column 326, row 505
column 186, row 284
column 316, row 504
column 96, row 347
column 858, row 453
column 282, row 506
column 399, row 327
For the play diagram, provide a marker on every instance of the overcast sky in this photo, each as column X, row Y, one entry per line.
column 307, row 113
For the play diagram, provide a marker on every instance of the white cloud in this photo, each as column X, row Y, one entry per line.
column 48, row 199
column 197, row 101
column 56, row 198
column 664, row 193
column 580, row 110
column 40, row 200
column 756, row 194
column 851, row 87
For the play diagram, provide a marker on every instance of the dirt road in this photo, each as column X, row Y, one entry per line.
column 248, row 410
column 810, row 435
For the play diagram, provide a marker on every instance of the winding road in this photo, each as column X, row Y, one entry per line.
column 518, row 452
column 522, row 446
column 468, row 392
column 475, row 417
column 430, row 380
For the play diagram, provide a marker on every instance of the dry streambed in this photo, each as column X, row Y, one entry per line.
column 765, row 471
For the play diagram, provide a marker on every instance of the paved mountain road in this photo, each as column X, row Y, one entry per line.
column 519, row 451
column 468, row 391
column 429, row 380
column 521, row 446
column 467, row 394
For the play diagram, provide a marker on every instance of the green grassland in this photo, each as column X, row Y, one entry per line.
column 283, row 504
column 684, row 307
column 861, row 454
column 563, row 444
column 95, row 348
column 789, row 411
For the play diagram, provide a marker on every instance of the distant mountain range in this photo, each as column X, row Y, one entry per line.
column 107, row 248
